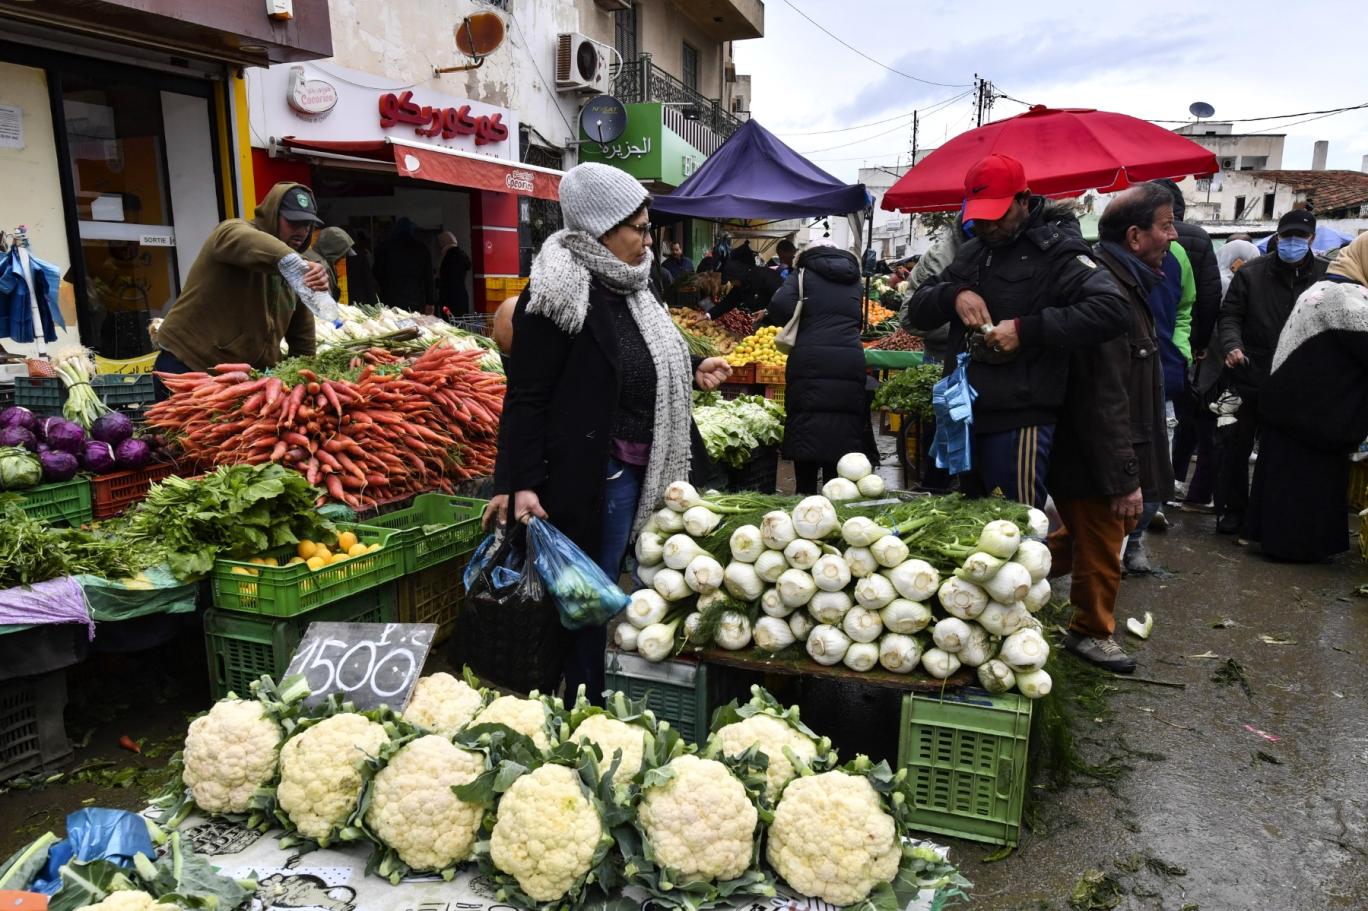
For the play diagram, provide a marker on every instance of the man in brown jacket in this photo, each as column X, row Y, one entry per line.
column 1111, row 445
column 236, row 305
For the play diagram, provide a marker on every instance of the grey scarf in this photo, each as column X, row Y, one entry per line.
column 561, row 275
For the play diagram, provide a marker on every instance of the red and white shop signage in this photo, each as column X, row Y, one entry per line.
column 327, row 102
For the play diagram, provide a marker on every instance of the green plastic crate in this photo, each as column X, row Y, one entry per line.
column 965, row 755
column 675, row 690
column 435, row 595
column 62, row 503
column 452, row 526
column 240, row 648
column 45, row 395
column 287, row 591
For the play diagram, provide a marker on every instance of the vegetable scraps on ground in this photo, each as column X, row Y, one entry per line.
column 395, row 427
column 563, row 807
column 936, row 583
column 732, row 429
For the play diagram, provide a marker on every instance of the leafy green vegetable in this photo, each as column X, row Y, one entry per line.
column 733, row 429
column 909, row 391
column 19, row 468
column 180, row 877
column 238, row 511
column 32, row 551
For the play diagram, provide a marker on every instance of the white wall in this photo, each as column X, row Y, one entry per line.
column 190, row 174
column 30, row 185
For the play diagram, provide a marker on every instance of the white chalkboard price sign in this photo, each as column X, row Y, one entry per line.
column 369, row 664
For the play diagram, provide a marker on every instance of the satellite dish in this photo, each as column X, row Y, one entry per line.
column 479, row 34
column 1201, row 109
column 603, row 119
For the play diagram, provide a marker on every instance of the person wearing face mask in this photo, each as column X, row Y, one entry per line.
column 597, row 420
column 1256, row 306
column 1111, row 451
column 1019, row 295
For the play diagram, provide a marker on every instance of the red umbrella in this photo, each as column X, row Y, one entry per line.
column 1065, row 151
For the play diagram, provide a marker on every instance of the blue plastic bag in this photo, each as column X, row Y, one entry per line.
column 95, row 834
column 952, row 399
column 584, row 595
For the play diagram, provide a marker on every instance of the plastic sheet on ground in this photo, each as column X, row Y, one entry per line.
column 334, row 879
column 155, row 591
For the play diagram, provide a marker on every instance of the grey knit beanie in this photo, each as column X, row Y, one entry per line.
column 596, row 197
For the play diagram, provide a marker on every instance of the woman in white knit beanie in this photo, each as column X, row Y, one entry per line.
column 598, row 417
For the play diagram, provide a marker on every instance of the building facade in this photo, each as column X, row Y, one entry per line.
column 123, row 142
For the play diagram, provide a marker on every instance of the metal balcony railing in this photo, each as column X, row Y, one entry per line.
column 640, row 81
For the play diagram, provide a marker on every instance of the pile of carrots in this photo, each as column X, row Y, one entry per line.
column 399, row 427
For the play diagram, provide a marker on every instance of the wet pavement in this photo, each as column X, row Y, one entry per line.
column 1233, row 800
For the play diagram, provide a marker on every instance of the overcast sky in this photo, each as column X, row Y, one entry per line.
column 1250, row 59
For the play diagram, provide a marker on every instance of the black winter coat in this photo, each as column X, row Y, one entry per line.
column 451, row 282
column 403, row 272
column 1206, row 272
column 1256, row 306
column 1112, row 436
column 1048, row 279
column 825, row 397
column 555, row 435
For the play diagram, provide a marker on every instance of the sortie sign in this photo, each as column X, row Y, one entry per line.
column 446, row 122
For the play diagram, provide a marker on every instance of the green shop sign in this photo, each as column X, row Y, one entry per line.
column 647, row 149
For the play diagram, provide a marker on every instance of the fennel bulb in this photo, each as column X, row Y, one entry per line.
column 1039, row 596
column 657, row 641
column 1035, row 557
column 1025, row 650
column 859, row 531
column 889, row 551
column 776, row 530
column 827, row 645
column 899, row 654
column 650, row 549
column 861, row 562
column 874, row 592
column 829, row 607
column 772, row 634
column 815, row 518
column 703, row 574
column 733, row 631
column 746, row 545
column 915, row 580
column 830, row 573
column 802, row 554
column 770, row 565
column 646, row 574
column 939, row 663
column 839, row 490
column 668, row 521
column 699, row 521
column 1009, row 584
column 861, row 656
column 871, row 486
column 625, row 637
column 977, row 649
column 742, row 582
column 679, row 551
column 1000, row 538
column 670, row 585
column 1003, row 619
column 905, row 617
column 978, row 568
column 710, row 600
column 801, row 624
column 773, row 605
column 796, row 588
column 1037, row 523
column 645, row 608
column 693, row 625
column 853, row 466
column 962, row 599
column 1034, row 684
column 996, row 677
column 681, row 496
column 950, row 634
column 862, row 624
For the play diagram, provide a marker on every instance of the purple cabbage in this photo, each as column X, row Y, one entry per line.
column 64, row 435
column 98, row 457
column 132, row 453
column 42, row 447
column 14, row 435
column 112, row 428
column 58, row 466
column 18, row 416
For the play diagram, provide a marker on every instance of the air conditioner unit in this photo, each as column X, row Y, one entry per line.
column 581, row 63
column 1227, row 164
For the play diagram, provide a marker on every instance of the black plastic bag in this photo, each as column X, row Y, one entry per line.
column 511, row 634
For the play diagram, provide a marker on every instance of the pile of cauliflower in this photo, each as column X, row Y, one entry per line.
column 587, row 800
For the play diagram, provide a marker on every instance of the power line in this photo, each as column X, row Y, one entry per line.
column 930, row 109
column 1283, row 126
column 839, row 40
column 855, row 142
column 1353, row 107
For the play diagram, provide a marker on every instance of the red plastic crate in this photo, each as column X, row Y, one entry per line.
column 112, row 494
column 743, row 374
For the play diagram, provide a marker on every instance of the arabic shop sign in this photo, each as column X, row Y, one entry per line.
column 647, row 149
column 445, row 122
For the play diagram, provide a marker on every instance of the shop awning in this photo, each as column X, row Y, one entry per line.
column 439, row 165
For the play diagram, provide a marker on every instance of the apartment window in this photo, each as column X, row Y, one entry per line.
column 1269, row 200
column 690, row 69
column 625, row 32
column 1239, row 207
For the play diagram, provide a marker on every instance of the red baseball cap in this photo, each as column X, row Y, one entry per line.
column 990, row 186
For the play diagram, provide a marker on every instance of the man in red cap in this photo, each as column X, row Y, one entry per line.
column 1019, row 296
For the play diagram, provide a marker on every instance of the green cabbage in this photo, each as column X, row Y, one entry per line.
column 19, row 469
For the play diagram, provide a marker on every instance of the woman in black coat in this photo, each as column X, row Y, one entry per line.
column 828, row 415
column 598, row 416
column 453, row 265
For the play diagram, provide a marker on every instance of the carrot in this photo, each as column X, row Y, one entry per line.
column 232, row 368
column 128, row 743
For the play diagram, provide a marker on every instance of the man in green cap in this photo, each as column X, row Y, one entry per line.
column 331, row 245
column 243, row 294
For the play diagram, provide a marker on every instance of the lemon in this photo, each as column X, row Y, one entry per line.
column 346, row 541
column 356, row 550
column 321, row 550
column 305, row 550
column 316, row 563
column 295, row 560
column 338, row 558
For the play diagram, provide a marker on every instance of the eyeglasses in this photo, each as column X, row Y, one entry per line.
column 642, row 229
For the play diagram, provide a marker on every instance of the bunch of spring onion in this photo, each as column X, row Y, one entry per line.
column 919, row 593
column 75, row 366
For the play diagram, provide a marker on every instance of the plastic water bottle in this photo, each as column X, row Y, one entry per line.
column 320, row 303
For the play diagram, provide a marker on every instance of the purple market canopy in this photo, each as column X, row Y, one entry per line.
column 755, row 176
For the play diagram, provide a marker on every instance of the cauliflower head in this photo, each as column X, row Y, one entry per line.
column 526, row 716
column 320, row 771
column 769, row 735
column 442, row 704
column 832, row 838
column 547, row 832
column 610, row 735
column 130, row 900
column 700, row 822
column 413, row 810
column 229, row 753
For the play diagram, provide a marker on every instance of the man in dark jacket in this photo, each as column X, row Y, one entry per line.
column 1196, row 430
column 1111, row 449
column 1257, row 304
column 754, row 291
column 676, row 264
column 403, row 269
column 1019, row 296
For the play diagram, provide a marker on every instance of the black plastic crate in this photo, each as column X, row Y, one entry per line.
column 760, row 474
column 32, row 731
